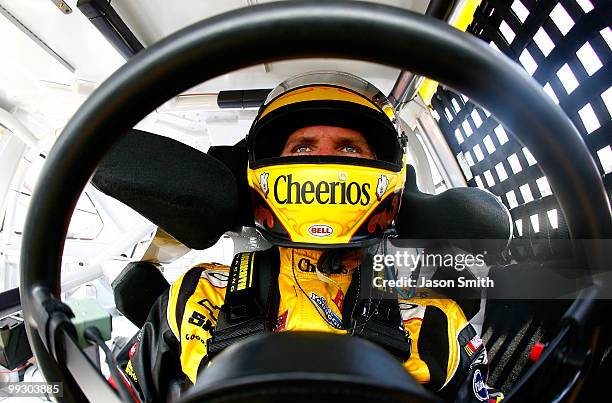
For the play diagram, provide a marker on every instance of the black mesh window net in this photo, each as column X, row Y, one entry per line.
column 566, row 47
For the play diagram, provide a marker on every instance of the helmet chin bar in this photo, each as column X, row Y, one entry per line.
column 325, row 201
column 279, row 31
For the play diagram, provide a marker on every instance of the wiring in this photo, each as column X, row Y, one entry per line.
column 12, row 371
column 92, row 334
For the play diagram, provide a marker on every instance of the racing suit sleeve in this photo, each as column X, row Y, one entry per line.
column 165, row 356
column 468, row 382
column 448, row 356
column 150, row 361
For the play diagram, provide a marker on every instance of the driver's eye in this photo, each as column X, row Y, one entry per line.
column 349, row 148
column 302, row 148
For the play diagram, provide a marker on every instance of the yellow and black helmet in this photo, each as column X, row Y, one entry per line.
column 325, row 201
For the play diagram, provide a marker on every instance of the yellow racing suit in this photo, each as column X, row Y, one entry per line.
column 447, row 355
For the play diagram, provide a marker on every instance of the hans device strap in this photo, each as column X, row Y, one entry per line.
column 251, row 299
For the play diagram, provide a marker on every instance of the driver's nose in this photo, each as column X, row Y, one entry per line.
column 326, row 146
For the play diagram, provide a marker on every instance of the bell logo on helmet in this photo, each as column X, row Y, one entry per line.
column 263, row 183
column 381, row 187
column 320, row 230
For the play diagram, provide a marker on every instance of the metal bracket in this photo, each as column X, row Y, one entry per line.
column 9, row 16
column 64, row 8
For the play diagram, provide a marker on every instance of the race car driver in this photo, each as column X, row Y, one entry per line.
column 326, row 170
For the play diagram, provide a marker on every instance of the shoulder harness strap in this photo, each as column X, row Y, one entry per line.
column 251, row 299
column 374, row 314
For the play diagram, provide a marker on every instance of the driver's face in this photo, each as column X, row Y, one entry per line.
column 327, row 140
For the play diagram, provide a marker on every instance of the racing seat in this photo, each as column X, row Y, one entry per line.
column 136, row 289
column 459, row 219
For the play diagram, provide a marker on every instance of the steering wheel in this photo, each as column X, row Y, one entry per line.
column 273, row 32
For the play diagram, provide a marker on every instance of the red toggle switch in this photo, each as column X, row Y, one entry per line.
column 536, row 351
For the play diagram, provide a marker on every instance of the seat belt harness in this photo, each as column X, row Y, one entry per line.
column 246, row 310
column 252, row 299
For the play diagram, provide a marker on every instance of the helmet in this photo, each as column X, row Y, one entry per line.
column 325, row 201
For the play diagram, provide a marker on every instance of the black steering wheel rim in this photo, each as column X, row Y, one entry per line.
column 280, row 31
